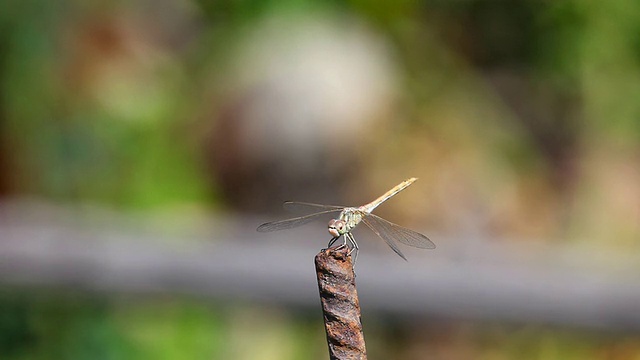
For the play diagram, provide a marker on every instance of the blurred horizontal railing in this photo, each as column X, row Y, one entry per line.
column 45, row 246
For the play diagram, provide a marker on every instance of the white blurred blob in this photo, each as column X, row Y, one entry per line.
column 320, row 84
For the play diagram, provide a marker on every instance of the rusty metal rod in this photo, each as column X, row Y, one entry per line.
column 340, row 304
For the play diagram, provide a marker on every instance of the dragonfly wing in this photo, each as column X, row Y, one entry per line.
column 384, row 234
column 402, row 234
column 308, row 208
column 294, row 222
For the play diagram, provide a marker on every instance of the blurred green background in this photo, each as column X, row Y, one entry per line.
column 521, row 119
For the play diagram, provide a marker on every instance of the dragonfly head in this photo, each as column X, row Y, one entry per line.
column 336, row 227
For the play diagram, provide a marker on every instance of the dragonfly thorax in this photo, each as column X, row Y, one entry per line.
column 349, row 218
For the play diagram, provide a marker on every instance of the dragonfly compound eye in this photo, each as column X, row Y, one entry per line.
column 335, row 226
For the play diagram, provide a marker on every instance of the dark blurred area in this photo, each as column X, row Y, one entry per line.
column 142, row 142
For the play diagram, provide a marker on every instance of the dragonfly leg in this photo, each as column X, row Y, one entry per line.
column 332, row 241
column 355, row 247
column 344, row 243
column 349, row 241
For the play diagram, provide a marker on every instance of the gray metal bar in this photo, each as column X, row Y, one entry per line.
column 111, row 253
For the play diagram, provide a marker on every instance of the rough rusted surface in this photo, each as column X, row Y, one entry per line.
column 340, row 305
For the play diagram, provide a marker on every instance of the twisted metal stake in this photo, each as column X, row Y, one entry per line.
column 340, row 305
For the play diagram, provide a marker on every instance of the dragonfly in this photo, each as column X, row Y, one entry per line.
column 349, row 218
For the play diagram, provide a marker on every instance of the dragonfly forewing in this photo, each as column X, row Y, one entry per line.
column 297, row 207
column 294, row 222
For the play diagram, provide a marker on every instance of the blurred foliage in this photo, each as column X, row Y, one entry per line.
column 92, row 112
column 527, row 112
